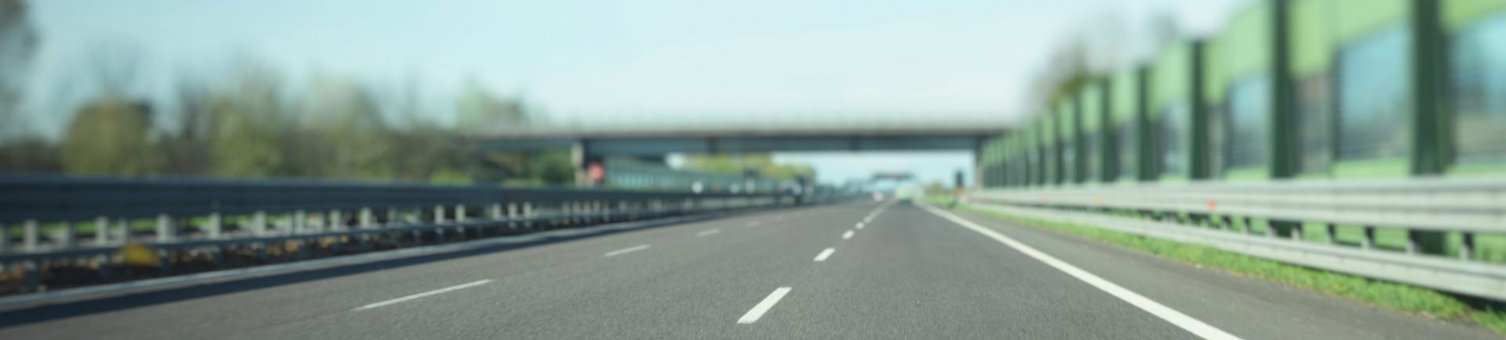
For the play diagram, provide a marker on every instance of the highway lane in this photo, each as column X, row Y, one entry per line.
column 906, row 274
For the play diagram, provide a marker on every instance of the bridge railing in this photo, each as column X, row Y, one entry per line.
column 1436, row 222
column 49, row 222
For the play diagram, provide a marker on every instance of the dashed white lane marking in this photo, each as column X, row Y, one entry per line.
column 825, row 254
column 704, row 233
column 847, row 235
column 424, row 294
column 859, row 225
column 763, row 306
column 625, row 250
column 753, row 223
column 1194, row 326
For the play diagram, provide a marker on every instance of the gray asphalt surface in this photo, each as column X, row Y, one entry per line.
column 907, row 275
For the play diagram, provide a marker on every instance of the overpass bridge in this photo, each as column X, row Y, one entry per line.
column 592, row 144
column 653, row 141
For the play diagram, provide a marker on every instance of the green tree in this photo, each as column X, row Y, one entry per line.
column 110, row 136
column 552, row 167
column 249, row 126
column 349, row 138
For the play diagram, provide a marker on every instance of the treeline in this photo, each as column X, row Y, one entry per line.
column 254, row 126
column 250, row 122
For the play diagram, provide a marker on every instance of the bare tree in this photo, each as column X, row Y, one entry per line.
column 18, row 43
column 113, row 67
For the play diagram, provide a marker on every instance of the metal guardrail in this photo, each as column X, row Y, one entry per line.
column 208, row 216
column 1223, row 214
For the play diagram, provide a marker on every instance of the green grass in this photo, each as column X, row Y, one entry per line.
column 1401, row 297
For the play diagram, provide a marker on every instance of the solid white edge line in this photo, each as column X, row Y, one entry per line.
column 625, row 250
column 1172, row 316
column 763, row 306
column 708, row 232
column 847, row 235
column 424, row 294
column 825, row 254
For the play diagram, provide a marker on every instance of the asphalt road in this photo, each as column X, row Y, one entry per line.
column 908, row 273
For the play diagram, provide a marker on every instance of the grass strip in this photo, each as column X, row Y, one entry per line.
column 1406, row 298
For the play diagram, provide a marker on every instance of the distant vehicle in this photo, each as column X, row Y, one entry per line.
column 878, row 196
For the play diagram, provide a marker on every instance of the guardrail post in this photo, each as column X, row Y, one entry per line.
column 577, row 211
column 1295, row 229
column 336, row 221
column 1413, row 244
column 101, row 231
column 29, row 237
column 212, row 228
column 528, row 214
column 122, row 231
column 259, row 223
column 165, row 228
column 438, row 219
column 512, row 214
column 460, row 218
column 367, row 219
column 300, row 221
column 1467, row 246
column 68, row 235
column 1331, row 232
column 1369, row 241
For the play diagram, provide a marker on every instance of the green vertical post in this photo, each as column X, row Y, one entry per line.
column 1198, row 144
column 1426, row 61
column 1080, row 164
column 1427, row 143
column 1108, row 155
column 1284, row 149
column 1148, row 152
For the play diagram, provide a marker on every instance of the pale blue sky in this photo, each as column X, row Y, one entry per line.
column 588, row 60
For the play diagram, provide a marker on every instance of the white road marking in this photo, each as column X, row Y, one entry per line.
column 847, row 235
column 763, row 306
column 708, row 232
column 753, row 224
column 860, row 225
column 824, row 254
column 1194, row 326
column 424, row 294
column 625, row 250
